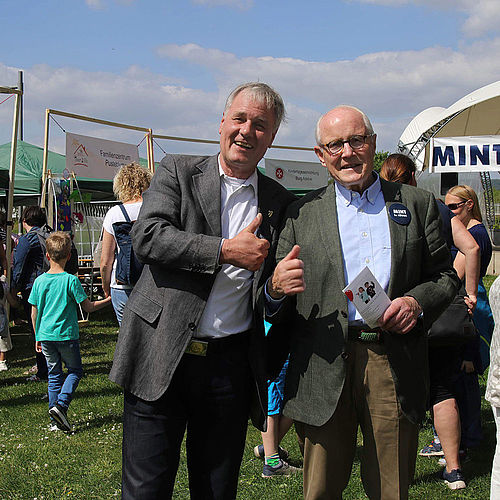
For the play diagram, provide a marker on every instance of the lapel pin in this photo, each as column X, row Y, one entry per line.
column 399, row 214
column 269, row 213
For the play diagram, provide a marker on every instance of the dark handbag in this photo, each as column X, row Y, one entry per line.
column 454, row 326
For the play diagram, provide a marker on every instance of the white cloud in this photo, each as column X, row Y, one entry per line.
column 136, row 97
column 95, row 4
column 100, row 4
column 383, row 83
column 240, row 4
column 483, row 16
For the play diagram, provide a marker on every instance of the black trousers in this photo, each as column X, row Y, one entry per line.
column 41, row 362
column 208, row 397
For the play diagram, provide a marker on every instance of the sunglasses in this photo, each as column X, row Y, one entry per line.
column 454, row 206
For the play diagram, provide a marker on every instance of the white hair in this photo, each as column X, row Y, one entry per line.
column 366, row 121
column 264, row 93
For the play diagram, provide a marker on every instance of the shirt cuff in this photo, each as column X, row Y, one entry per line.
column 272, row 306
column 219, row 252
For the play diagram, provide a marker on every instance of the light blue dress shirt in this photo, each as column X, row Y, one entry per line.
column 364, row 236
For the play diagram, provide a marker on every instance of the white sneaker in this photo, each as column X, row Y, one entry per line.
column 3, row 366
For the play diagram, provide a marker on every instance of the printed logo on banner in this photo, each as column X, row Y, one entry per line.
column 465, row 154
column 80, row 156
column 297, row 174
column 98, row 158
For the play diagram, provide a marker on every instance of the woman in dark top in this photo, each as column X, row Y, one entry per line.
column 463, row 202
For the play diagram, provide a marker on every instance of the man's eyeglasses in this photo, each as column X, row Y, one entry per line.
column 356, row 142
column 454, row 206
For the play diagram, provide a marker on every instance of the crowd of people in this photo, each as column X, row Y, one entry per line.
column 233, row 307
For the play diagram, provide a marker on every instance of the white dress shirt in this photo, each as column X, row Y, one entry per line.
column 364, row 236
column 229, row 308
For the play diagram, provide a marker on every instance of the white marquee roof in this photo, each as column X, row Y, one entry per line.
column 478, row 113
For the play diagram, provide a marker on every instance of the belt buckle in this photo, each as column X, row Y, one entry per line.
column 197, row 347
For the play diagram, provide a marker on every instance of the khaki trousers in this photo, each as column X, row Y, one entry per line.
column 390, row 440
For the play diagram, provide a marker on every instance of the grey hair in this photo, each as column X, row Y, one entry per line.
column 366, row 121
column 261, row 92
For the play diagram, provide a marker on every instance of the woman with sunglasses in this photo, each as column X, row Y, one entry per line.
column 463, row 202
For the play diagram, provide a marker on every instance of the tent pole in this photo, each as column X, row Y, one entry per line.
column 151, row 158
column 20, row 86
column 12, row 173
column 45, row 153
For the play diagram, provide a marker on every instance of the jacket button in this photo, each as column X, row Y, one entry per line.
column 344, row 314
column 345, row 356
column 192, row 326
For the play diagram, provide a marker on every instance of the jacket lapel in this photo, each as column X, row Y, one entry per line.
column 207, row 189
column 326, row 219
column 392, row 194
column 268, row 206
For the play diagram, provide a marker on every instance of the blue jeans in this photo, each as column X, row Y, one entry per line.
column 61, row 389
column 119, row 298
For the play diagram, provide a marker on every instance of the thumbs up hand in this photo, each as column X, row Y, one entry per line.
column 245, row 250
column 288, row 277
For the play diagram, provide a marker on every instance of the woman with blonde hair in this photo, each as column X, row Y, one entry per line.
column 128, row 185
column 463, row 202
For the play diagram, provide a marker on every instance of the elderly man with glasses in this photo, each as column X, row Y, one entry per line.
column 343, row 374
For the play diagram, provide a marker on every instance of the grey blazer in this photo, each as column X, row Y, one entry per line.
column 177, row 236
column 317, row 318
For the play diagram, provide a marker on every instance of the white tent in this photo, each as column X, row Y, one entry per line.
column 476, row 114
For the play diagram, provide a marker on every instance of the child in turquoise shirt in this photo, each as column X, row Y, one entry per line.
column 54, row 297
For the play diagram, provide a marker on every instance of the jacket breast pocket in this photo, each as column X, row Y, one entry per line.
column 144, row 307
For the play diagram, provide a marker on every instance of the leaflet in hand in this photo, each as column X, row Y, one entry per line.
column 369, row 298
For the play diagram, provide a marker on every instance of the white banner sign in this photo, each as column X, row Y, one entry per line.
column 465, row 154
column 97, row 158
column 297, row 174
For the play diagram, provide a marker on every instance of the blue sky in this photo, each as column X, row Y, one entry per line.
column 169, row 64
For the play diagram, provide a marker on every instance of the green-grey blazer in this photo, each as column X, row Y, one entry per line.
column 317, row 319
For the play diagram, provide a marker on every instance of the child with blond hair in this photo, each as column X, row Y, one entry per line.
column 55, row 297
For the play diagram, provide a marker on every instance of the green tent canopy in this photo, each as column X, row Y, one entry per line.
column 28, row 176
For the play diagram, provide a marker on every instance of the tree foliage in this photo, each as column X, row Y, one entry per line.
column 380, row 157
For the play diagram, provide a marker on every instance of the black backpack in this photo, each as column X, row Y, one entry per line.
column 128, row 268
column 43, row 233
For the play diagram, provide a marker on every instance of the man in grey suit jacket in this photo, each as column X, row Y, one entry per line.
column 341, row 373
column 191, row 349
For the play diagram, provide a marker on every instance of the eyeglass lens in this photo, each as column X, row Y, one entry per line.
column 356, row 142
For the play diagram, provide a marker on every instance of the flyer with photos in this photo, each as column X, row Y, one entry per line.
column 369, row 298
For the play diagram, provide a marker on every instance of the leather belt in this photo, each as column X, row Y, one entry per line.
column 365, row 334
column 208, row 346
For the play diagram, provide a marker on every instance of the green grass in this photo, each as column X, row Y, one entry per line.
column 37, row 463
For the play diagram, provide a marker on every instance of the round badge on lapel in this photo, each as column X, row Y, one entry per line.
column 399, row 214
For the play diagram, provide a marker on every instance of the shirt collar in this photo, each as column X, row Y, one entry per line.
column 251, row 181
column 370, row 193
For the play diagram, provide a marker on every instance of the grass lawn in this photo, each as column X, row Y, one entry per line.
column 36, row 463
